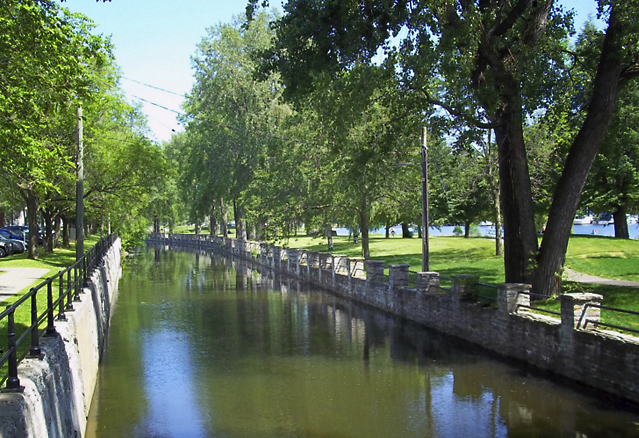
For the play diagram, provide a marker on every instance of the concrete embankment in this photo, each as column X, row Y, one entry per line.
column 59, row 387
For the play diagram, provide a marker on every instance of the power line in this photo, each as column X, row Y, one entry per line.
column 152, row 86
column 157, row 104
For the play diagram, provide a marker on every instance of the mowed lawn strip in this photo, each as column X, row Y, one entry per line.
column 606, row 257
column 448, row 255
column 594, row 255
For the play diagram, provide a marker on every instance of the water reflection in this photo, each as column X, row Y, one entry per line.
column 202, row 346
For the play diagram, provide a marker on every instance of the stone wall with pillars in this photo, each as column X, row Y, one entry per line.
column 602, row 360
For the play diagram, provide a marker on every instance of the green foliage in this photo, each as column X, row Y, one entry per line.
column 51, row 63
column 231, row 117
column 613, row 184
column 47, row 59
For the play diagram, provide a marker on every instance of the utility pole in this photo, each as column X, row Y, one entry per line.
column 425, row 218
column 79, row 194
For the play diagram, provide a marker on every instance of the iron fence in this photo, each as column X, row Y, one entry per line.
column 70, row 282
column 585, row 320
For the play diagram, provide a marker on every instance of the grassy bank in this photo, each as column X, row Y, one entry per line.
column 600, row 256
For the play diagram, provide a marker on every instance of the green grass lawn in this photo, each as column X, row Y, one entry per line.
column 448, row 255
column 604, row 257
column 601, row 256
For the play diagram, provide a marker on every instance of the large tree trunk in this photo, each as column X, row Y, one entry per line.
column 552, row 252
column 48, row 235
column 240, row 223
column 213, row 221
column 66, row 235
column 621, row 222
column 56, row 241
column 251, row 231
column 467, row 229
column 406, row 234
column 32, row 216
column 328, row 232
column 516, row 196
column 363, row 226
column 223, row 218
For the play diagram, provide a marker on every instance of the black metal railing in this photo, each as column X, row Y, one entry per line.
column 538, row 309
column 70, row 282
column 487, row 292
column 583, row 319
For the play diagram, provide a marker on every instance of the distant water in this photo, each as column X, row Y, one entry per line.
column 487, row 230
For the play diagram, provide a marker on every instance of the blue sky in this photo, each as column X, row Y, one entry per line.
column 155, row 39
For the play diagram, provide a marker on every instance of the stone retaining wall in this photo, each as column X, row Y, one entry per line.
column 603, row 360
column 59, row 387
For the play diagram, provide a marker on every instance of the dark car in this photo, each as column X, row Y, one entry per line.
column 5, row 248
column 16, row 227
column 19, row 232
column 18, row 246
column 12, row 234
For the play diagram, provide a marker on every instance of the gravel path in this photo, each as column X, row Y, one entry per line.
column 571, row 275
column 13, row 280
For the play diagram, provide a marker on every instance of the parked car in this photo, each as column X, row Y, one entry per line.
column 18, row 246
column 5, row 248
column 16, row 227
column 12, row 234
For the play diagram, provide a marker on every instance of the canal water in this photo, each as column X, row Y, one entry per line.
column 201, row 346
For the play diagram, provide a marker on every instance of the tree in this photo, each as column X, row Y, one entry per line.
column 47, row 56
column 487, row 64
column 231, row 116
column 614, row 180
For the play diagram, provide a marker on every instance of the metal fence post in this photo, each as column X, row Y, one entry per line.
column 61, row 315
column 34, row 351
column 50, row 314
column 79, row 280
column 13, row 382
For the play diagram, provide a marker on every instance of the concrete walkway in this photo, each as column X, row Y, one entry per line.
column 13, row 280
column 571, row 275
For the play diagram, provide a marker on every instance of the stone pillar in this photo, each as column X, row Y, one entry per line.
column 304, row 260
column 276, row 261
column 464, row 287
column 357, row 267
column 333, row 269
column 511, row 295
column 572, row 308
column 293, row 261
column 341, row 264
column 374, row 270
column 312, row 258
column 428, row 282
column 398, row 276
column 324, row 260
column 323, row 263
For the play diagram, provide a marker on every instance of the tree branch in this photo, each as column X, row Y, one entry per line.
column 451, row 111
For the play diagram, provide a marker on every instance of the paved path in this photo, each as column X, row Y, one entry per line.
column 571, row 275
column 13, row 280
